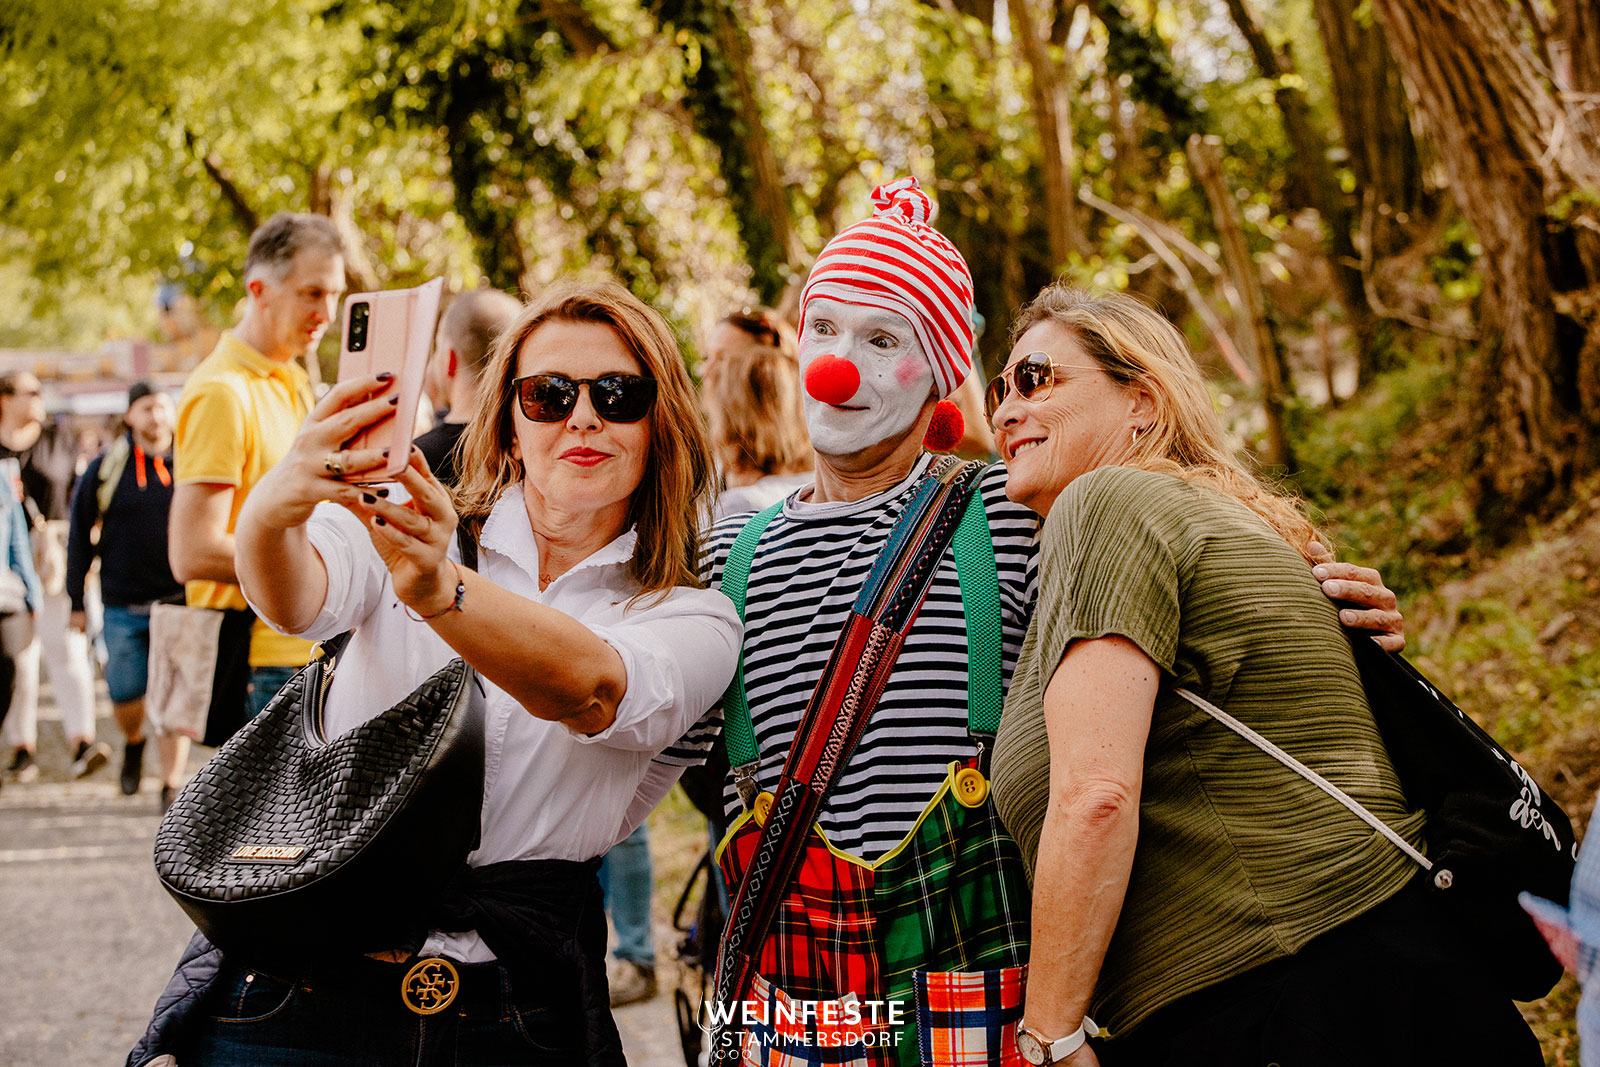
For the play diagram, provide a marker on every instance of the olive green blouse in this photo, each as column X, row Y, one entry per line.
column 1239, row 860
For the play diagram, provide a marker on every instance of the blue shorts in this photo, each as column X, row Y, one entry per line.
column 127, row 634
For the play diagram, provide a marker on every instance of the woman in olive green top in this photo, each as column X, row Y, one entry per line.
column 1201, row 901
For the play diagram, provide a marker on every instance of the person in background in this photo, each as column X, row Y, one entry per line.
column 127, row 492
column 238, row 415
column 48, row 461
column 1201, row 900
column 758, row 428
column 466, row 331
column 22, row 592
column 751, row 325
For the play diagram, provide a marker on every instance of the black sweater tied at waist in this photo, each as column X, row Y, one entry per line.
column 537, row 916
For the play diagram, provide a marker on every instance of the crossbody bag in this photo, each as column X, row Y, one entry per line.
column 1491, row 831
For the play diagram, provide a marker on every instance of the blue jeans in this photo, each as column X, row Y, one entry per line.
column 625, row 879
column 126, row 630
column 353, row 1016
column 264, row 685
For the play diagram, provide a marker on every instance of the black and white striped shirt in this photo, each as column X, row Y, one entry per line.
column 808, row 569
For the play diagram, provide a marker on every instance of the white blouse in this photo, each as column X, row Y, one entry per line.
column 549, row 792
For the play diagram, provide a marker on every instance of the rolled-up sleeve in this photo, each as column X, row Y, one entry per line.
column 356, row 576
column 679, row 655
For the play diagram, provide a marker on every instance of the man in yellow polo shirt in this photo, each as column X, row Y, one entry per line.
column 238, row 415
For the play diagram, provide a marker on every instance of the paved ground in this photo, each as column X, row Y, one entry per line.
column 89, row 937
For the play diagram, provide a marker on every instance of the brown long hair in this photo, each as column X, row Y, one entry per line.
column 677, row 474
column 1138, row 347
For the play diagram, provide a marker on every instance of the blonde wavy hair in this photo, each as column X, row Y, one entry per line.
column 1138, row 348
column 677, row 475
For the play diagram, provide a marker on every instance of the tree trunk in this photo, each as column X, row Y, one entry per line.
column 1205, row 159
column 1519, row 157
column 1579, row 26
column 1052, row 109
column 1313, row 184
column 1374, row 116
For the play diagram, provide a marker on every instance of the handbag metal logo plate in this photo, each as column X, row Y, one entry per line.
column 430, row 986
column 266, row 853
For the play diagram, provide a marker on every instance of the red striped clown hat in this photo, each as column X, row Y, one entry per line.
column 896, row 261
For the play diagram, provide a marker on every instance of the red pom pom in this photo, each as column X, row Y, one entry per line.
column 832, row 380
column 946, row 428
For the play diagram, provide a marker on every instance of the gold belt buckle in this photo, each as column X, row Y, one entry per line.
column 430, row 986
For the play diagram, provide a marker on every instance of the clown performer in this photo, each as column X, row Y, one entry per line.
column 906, row 897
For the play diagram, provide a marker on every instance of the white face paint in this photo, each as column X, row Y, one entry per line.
column 896, row 378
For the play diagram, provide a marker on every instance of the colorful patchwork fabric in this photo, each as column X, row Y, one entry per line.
column 951, row 898
column 970, row 1020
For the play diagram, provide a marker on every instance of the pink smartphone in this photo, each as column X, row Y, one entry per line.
column 390, row 331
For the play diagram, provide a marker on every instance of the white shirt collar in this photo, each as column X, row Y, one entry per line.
column 507, row 532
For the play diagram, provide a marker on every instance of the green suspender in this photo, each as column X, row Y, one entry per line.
column 737, row 733
column 980, row 603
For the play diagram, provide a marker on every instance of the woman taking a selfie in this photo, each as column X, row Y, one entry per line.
column 1200, row 900
column 581, row 471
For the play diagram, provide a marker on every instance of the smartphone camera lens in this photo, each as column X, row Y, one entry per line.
column 359, row 314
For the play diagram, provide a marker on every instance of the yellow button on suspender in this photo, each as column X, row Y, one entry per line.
column 762, row 806
column 972, row 788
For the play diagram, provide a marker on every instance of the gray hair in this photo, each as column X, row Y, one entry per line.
column 472, row 322
column 278, row 240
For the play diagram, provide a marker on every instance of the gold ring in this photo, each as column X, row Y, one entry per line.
column 333, row 464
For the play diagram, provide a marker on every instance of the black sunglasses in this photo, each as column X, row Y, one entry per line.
column 616, row 397
column 1033, row 375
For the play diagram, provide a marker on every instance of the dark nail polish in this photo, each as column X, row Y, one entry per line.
column 381, row 492
column 385, row 376
column 368, row 498
column 379, row 521
column 393, row 400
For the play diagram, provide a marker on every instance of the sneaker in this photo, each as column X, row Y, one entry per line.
column 168, row 793
column 23, row 766
column 132, row 767
column 631, row 982
column 90, row 757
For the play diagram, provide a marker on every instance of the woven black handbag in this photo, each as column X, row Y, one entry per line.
column 287, row 846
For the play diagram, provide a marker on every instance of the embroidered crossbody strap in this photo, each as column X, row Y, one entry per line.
column 845, row 696
column 980, row 605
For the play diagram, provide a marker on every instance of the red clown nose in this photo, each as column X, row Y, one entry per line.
column 832, row 380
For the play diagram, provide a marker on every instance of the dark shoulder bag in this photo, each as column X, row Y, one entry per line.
column 287, row 846
column 1491, row 831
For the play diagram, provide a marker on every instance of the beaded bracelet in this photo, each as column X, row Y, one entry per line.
column 455, row 605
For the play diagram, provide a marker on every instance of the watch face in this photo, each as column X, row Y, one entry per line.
column 1031, row 1048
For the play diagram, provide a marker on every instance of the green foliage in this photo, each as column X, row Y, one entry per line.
column 1380, row 469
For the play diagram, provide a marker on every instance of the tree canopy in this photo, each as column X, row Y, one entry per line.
column 1292, row 180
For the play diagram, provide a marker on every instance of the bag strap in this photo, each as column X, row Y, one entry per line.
column 980, row 604
column 465, row 541
column 837, row 714
column 1355, row 806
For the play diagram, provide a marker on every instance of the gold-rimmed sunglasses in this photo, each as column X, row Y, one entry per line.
column 1033, row 375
